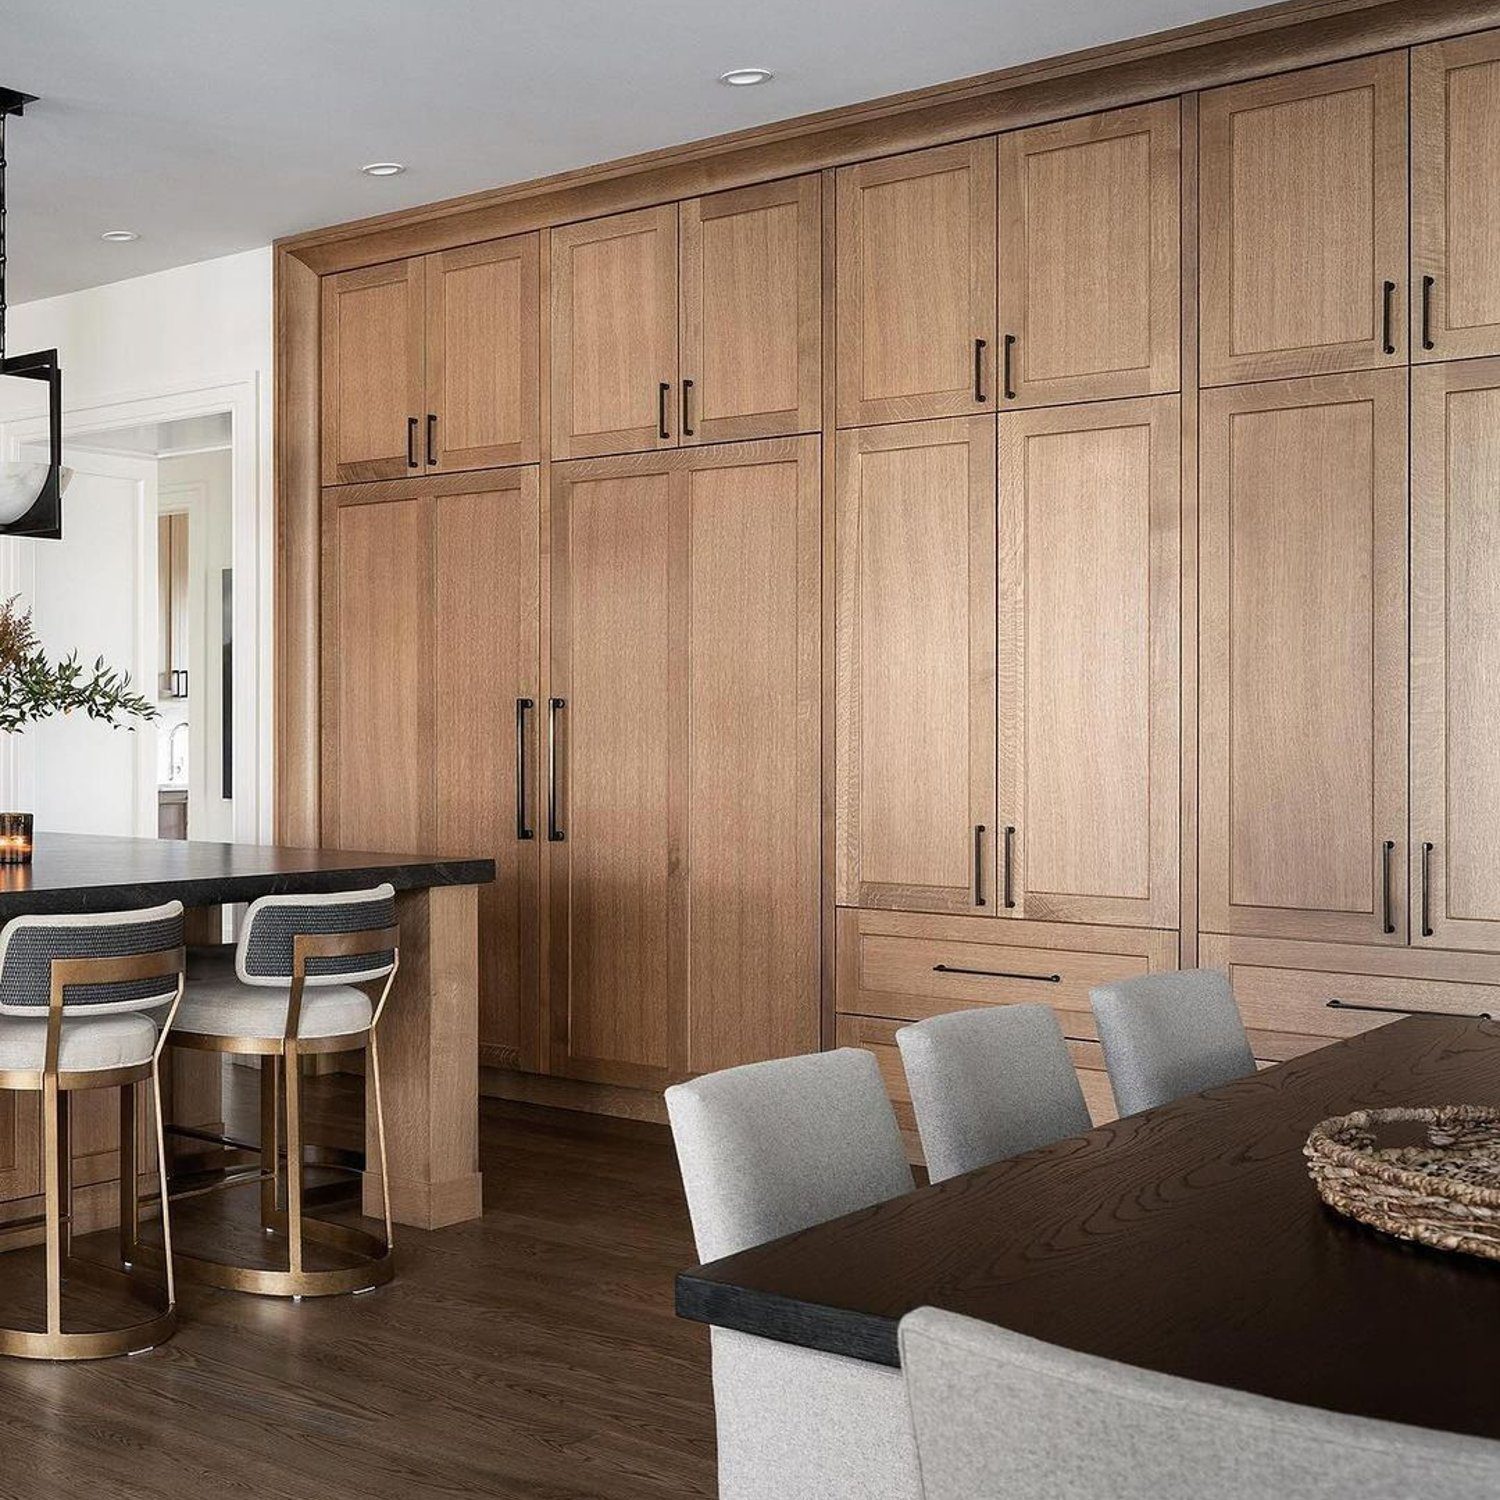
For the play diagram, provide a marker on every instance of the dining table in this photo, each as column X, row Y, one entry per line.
column 429, row 1031
column 1188, row 1239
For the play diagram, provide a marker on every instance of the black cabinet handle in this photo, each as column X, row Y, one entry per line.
column 1010, row 899
column 554, row 828
column 979, row 347
column 979, row 865
column 1426, row 890
column 1396, row 1010
column 1007, row 382
column 1387, row 849
column 997, row 974
column 411, row 442
column 1427, row 284
column 662, row 392
column 1387, row 308
column 523, row 829
column 432, row 439
column 687, row 427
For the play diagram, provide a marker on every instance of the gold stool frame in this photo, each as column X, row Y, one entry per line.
column 56, row 1220
column 281, row 1080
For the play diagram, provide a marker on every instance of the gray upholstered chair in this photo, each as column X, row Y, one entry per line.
column 311, row 975
column 999, row 1416
column 766, row 1150
column 1166, row 1035
column 990, row 1083
column 86, row 1002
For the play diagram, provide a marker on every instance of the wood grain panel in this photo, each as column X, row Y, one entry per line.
column 1089, row 251
column 916, row 284
column 752, row 312
column 1089, row 660
column 1303, row 670
column 915, row 670
column 1303, row 221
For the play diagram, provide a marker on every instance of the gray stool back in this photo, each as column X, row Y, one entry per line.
column 263, row 955
column 773, row 1147
column 1167, row 1035
column 990, row 1083
column 999, row 1416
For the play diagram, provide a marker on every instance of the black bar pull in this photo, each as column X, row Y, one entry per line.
column 1428, row 282
column 523, row 828
column 432, row 440
column 997, row 974
column 1010, row 899
column 1008, row 386
column 979, row 865
column 1387, row 324
column 554, row 829
column 663, row 390
column 979, row 347
column 1387, row 849
column 411, row 442
column 687, row 427
column 1426, row 890
column 1396, row 1010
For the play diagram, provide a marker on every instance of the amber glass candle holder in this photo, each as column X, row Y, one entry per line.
column 15, row 838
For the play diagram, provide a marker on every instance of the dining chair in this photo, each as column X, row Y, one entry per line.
column 311, row 975
column 1000, row 1416
column 1167, row 1035
column 990, row 1083
column 86, row 1002
column 765, row 1150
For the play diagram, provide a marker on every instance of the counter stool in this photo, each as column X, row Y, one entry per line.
column 311, row 975
column 75, row 992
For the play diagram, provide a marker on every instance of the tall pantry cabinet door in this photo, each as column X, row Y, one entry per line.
column 1089, row 257
column 482, row 355
column 1303, row 215
column 1302, row 661
column 372, row 372
column 915, row 612
column 1455, row 656
column 484, row 735
column 614, row 334
column 1089, row 662
column 916, row 285
column 1455, row 198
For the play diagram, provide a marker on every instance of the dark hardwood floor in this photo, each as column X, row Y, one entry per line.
column 533, row 1353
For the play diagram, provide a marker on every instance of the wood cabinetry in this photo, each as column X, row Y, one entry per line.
column 1089, row 249
column 430, row 621
column 1303, row 722
column 1303, row 226
column 915, row 689
column 683, row 850
column 1088, row 662
column 1455, row 656
column 1455, row 198
column 916, row 285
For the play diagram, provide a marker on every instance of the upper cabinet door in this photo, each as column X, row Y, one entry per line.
column 1302, row 664
column 916, row 667
column 752, row 318
column 1455, row 198
column 482, row 331
column 916, row 285
column 372, row 372
column 1455, row 662
column 614, row 334
column 1088, row 662
column 1089, row 237
column 1303, row 212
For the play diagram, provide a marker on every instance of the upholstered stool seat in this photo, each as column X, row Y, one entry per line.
column 219, row 1005
column 88, row 1045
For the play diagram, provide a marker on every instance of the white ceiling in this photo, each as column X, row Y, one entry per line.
column 210, row 126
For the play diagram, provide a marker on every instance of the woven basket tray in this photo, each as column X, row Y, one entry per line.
column 1444, row 1193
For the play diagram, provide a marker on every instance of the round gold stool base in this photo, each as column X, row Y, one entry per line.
column 375, row 1268
column 103, row 1344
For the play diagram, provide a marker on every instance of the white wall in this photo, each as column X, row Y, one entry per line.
column 153, row 348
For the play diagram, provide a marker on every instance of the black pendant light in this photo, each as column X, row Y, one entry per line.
column 30, row 493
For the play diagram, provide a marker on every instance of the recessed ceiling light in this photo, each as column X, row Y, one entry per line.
column 383, row 169
column 743, row 78
column 119, row 236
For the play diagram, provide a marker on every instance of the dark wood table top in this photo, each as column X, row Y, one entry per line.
column 73, row 872
column 1188, row 1240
